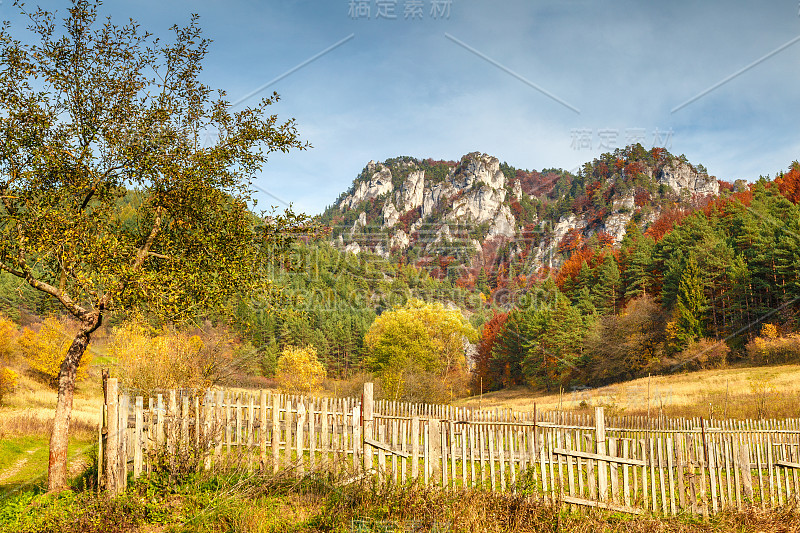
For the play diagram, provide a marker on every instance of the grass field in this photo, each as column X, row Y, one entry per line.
column 253, row 502
column 25, row 424
column 746, row 392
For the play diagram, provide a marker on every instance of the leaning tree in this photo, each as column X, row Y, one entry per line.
column 125, row 181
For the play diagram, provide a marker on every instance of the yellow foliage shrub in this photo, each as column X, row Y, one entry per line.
column 703, row 354
column 8, row 382
column 8, row 334
column 46, row 349
column 769, row 331
column 774, row 350
column 148, row 360
column 299, row 371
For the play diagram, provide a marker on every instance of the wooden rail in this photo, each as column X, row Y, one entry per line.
column 673, row 466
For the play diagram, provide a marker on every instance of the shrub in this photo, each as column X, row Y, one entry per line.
column 8, row 335
column 299, row 370
column 149, row 360
column 769, row 350
column 627, row 345
column 417, row 338
column 45, row 349
column 8, row 382
column 703, row 354
column 8, row 378
column 354, row 386
column 769, row 331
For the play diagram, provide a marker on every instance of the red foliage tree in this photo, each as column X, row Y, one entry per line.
column 789, row 183
column 516, row 209
column 571, row 242
column 725, row 186
column 481, row 374
column 634, row 168
column 581, row 203
column 605, row 239
column 666, row 222
column 641, row 197
column 572, row 266
column 408, row 218
column 658, row 152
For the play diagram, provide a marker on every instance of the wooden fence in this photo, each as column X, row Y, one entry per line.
column 630, row 464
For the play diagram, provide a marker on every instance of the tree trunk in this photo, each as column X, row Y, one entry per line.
column 59, row 438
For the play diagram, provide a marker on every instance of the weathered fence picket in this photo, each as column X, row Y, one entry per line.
column 629, row 464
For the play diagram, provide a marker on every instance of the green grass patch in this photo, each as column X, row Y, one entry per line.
column 262, row 502
column 24, row 460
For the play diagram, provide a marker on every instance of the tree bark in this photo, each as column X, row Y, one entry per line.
column 59, row 438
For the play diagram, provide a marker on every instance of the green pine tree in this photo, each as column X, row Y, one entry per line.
column 605, row 291
column 690, row 307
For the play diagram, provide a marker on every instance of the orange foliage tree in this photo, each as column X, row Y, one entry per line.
column 666, row 222
column 572, row 266
column 484, row 377
column 789, row 183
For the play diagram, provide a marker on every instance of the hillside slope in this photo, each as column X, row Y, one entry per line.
column 738, row 392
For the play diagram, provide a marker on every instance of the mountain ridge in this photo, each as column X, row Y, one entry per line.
column 472, row 210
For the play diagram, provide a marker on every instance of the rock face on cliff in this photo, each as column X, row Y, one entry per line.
column 477, row 207
column 685, row 179
column 413, row 209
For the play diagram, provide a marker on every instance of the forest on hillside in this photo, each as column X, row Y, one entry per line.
column 698, row 289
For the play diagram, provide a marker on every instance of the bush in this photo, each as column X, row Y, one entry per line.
column 8, row 335
column 299, row 370
column 151, row 360
column 8, row 378
column 45, row 349
column 770, row 350
column 8, row 382
column 704, row 354
column 628, row 345
column 353, row 386
column 427, row 387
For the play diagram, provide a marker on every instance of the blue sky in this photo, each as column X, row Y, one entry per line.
column 470, row 79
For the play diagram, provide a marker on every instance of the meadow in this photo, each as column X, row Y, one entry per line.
column 236, row 498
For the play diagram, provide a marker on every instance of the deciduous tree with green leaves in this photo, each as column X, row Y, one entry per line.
column 91, row 112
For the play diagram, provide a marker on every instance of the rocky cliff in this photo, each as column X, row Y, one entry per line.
column 477, row 208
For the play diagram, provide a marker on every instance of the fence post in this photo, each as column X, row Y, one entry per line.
column 113, row 484
column 600, row 429
column 367, row 407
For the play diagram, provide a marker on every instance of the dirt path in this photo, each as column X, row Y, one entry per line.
column 14, row 469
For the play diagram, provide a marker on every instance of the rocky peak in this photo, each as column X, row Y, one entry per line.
column 380, row 183
column 681, row 176
column 479, row 168
column 412, row 192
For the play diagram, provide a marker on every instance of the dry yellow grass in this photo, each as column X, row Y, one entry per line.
column 755, row 392
column 29, row 410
